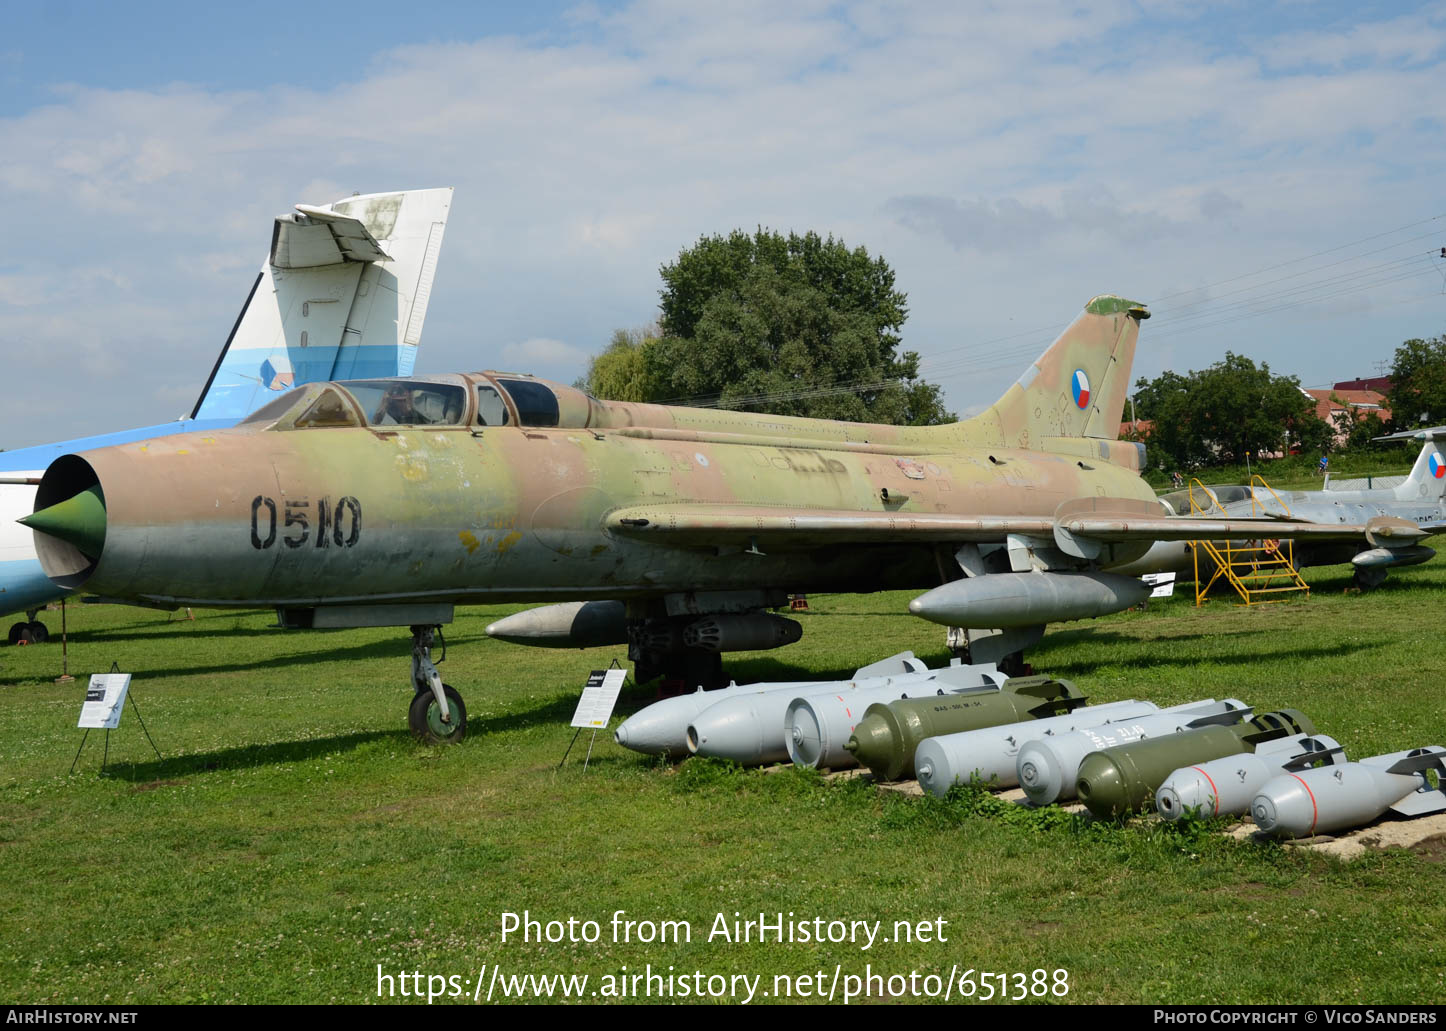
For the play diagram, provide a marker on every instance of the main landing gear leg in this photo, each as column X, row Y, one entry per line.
column 437, row 715
column 687, row 670
column 1004, row 648
column 1368, row 578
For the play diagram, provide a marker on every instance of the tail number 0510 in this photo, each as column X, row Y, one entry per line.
column 339, row 524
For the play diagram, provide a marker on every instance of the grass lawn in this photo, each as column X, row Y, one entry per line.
column 294, row 837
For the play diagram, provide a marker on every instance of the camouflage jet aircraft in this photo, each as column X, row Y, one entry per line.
column 386, row 502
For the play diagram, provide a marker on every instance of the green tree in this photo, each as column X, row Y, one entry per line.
column 1363, row 432
column 621, row 373
column 1418, row 384
column 1217, row 415
column 795, row 325
column 1161, row 400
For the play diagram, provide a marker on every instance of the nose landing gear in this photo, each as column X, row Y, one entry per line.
column 436, row 715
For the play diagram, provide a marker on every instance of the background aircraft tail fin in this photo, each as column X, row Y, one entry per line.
column 1077, row 388
column 342, row 295
column 1428, row 475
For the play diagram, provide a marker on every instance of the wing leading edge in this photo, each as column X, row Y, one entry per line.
column 1099, row 521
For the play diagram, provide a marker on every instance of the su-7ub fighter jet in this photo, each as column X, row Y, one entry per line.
column 343, row 292
column 387, row 501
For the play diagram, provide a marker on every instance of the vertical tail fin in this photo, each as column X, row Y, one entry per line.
column 1077, row 388
column 343, row 294
column 1428, row 475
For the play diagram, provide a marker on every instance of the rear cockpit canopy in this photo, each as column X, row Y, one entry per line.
column 529, row 401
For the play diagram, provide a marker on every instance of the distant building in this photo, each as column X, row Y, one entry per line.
column 1380, row 384
column 1343, row 406
column 1139, row 429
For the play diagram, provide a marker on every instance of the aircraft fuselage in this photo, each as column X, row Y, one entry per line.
column 269, row 515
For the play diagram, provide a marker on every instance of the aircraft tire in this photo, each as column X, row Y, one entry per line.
column 19, row 630
column 1368, row 579
column 1013, row 665
column 39, row 632
column 425, row 718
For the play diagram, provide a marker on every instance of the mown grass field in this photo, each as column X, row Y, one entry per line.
column 294, row 837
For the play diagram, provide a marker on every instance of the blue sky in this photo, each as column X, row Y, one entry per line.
column 1009, row 161
column 53, row 45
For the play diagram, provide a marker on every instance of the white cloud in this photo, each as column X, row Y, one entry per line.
column 540, row 351
column 1412, row 39
column 1006, row 224
column 1009, row 162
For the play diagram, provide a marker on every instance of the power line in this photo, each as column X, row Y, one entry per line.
column 1317, row 254
column 1294, row 275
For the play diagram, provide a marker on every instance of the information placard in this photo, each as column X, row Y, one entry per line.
column 104, row 699
column 1163, row 584
column 595, row 707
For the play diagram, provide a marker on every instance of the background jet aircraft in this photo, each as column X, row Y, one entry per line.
column 339, row 508
column 1421, row 499
column 343, row 292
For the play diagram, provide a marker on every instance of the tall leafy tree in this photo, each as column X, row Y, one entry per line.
column 1363, row 434
column 793, row 325
column 1217, row 415
column 1418, row 384
column 621, row 372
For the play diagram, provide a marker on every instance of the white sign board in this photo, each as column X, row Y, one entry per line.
column 595, row 707
column 104, row 699
column 1163, row 584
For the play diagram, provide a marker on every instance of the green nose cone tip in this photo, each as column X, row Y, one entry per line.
column 78, row 520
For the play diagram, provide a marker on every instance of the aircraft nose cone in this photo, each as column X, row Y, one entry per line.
column 78, row 520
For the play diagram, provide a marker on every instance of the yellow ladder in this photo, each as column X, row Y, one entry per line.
column 1260, row 571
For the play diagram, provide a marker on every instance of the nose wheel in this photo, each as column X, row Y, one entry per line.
column 436, row 715
column 425, row 718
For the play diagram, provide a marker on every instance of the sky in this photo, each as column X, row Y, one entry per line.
column 1266, row 176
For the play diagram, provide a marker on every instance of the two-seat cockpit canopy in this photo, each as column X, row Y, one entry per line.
column 462, row 400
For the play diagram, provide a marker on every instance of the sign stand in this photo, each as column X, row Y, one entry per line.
column 595, row 707
column 65, row 677
column 105, row 699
